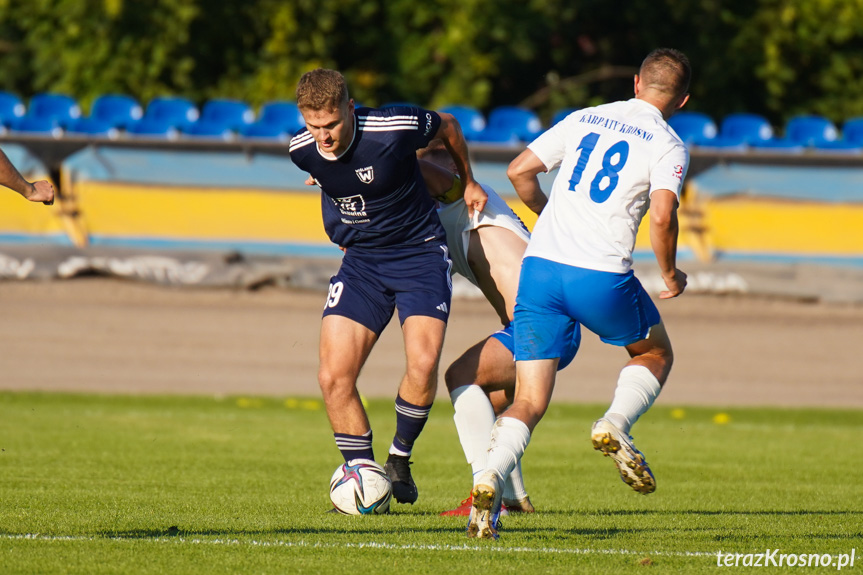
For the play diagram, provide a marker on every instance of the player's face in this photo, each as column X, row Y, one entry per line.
column 331, row 129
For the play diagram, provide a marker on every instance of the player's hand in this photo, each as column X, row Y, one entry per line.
column 42, row 191
column 675, row 284
column 475, row 198
column 310, row 181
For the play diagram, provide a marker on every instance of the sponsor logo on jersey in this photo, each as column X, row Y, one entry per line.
column 366, row 175
column 428, row 124
column 354, row 206
column 678, row 172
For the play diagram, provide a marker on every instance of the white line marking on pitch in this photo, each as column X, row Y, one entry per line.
column 366, row 545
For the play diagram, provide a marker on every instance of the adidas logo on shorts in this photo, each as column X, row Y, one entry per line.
column 443, row 307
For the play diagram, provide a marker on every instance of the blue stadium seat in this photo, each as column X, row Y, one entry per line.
column 212, row 129
column 59, row 108
column 693, row 127
column 838, row 147
column 286, row 115
column 153, row 128
column 809, row 130
column 470, row 119
column 220, row 119
column 92, row 127
column 232, row 114
column 778, row 146
column 116, row 109
column 747, row 127
column 561, row 114
column 178, row 112
column 498, row 136
column 36, row 126
column 265, row 131
column 852, row 130
column 11, row 107
column 723, row 144
column 521, row 122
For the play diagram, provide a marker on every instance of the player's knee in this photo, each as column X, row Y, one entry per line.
column 332, row 383
column 422, row 367
column 458, row 374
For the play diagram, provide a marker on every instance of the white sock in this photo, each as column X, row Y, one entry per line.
column 509, row 439
column 513, row 487
column 474, row 420
column 637, row 388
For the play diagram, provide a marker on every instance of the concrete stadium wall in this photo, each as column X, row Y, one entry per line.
column 256, row 202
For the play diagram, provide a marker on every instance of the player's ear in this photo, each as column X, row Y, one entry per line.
column 682, row 101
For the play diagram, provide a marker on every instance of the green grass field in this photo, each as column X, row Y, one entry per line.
column 117, row 484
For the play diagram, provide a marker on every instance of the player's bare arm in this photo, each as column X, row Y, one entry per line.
column 522, row 172
column 664, row 230
column 40, row 191
column 451, row 135
column 441, row 183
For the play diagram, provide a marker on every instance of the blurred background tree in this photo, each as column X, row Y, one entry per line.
column 773, row 57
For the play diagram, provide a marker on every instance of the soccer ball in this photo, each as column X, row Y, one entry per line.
column 361, row 487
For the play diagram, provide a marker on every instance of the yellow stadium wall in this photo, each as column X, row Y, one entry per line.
column 786, row 227
column 18, row 215
column 123, row 210
column 746, row 225
column 740, row 225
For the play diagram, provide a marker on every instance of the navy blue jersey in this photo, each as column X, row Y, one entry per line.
column 374, row 194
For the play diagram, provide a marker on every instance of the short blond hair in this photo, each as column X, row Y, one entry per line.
column 322, row 89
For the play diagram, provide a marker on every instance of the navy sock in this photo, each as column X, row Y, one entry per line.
column 355, row 446
column 410, row 420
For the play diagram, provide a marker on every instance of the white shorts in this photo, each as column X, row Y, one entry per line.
column 458, row 227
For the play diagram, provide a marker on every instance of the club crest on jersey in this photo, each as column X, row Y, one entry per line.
column 354, row 206
column 678, row 172
column 366, row 175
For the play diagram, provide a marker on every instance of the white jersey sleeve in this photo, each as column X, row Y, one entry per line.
column 609, row 159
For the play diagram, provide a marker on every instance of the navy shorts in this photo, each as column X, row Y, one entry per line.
column 371, row 284
column 554, row 299
column 571, row 343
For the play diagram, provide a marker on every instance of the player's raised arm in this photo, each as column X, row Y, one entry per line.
column 40, row 191
column 522, row 172
column 664, row 230
column 451, row 134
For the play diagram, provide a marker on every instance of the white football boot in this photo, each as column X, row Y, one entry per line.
column 485, row 511
column 633, row 468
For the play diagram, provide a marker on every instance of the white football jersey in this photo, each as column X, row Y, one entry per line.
column 611, row 158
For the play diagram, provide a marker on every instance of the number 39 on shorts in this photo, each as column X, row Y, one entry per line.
column 605, row 179
column 335, row 294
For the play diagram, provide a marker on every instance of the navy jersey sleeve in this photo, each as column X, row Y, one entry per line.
column 427, row 122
